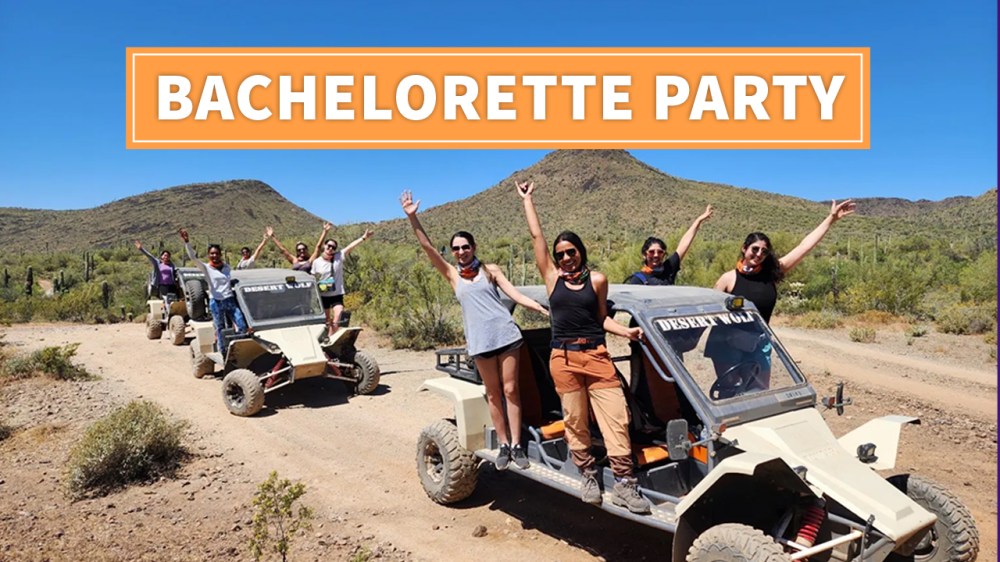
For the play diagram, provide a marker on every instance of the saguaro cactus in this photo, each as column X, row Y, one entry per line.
column 105, row 294
column 6, row 278
column 29, row 281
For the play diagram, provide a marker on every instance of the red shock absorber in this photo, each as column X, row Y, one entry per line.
column 812, row 519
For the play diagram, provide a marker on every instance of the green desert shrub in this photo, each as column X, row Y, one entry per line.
column 862, row 334
column 134, row 443
column 916, row 331
column 278, row 516
column 967, row 319
column 53, row 361
column 823, row 320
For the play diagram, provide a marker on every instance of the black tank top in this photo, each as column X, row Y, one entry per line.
column 761, row 291
column 574, row 313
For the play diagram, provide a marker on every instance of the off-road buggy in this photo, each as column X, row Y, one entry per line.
column 287, row 342
column 188, row 301
column 730, row 443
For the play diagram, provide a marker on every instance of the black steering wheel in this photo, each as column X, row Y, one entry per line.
column 736, row 380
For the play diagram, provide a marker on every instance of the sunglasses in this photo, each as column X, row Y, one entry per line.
column 463, row 247
column 655, row 252
column 762, row 250
column 570, row 252
column 331, row 246
column 300, row 249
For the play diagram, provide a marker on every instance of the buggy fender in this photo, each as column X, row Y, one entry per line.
column 472, row 414
column 343, row 338
column 204, row 335
column 155, row 308
column 300, row 344
column 705, row 505
column 884, row 434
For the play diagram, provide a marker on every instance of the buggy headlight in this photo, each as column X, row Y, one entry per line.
column 734, row 303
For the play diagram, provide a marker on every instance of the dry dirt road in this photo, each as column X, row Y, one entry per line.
column 356, row 454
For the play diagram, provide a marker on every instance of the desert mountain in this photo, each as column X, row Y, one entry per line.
column 601, row 194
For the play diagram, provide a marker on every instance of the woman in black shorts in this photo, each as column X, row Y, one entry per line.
column 492, row 338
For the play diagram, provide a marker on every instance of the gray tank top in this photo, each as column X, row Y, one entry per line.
column 488, row 324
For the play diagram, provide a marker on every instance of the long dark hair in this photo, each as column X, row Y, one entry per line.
column 572, row 238
column 770, row 268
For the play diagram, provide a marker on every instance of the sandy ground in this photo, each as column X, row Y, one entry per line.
column 356, row 455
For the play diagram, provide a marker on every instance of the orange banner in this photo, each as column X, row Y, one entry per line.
column 497, row 98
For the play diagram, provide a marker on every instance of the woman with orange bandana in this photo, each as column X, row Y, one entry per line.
column 492, row 338
column 758, row 271
column 658, row 269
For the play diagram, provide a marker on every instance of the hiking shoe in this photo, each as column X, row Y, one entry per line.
column 626, row 494
column 519, row 457
column 503, row 459
column 590, row 490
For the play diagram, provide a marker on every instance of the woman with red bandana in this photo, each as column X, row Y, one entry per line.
column 657, row 269
column 758, row 271
column 580, row 364
column 492, row 338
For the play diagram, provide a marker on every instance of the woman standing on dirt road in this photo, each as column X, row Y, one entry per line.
column 328, row 268
column 492, row 337
column 302, row 260
column 221, row 298
column 658, row 271
column 580, row 364
column 758, row 271
column 164, row 277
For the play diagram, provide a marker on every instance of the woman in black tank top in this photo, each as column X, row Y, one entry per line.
column 580, row 365
column 758, row 271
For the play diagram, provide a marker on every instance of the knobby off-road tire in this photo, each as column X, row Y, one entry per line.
column 242, row 393
column 954, row 537
column 154, row 328
column 195, row 299
column 447, row 470
column 200, row 365
column 733, row 542
column 176, row 326
column 368, row 372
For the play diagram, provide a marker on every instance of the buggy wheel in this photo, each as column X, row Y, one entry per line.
column 954, row 537
column 200, row 365
column 447, row 469
column 734, row 542
column 242, row 393
column 367, row 371
column 176, row 327
column 154, row 328
column 196, row 300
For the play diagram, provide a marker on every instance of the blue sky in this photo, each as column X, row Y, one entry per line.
column 62, row 70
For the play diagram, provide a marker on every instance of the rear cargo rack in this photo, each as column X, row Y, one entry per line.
column 457, row 363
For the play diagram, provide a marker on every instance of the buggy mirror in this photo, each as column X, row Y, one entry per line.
column 838, row 401
column 678, row 443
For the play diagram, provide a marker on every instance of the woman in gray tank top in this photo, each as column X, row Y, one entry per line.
column 492, row 337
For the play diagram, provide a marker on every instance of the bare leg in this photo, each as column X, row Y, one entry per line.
column 508, row 366
column 489, row 371
column 329, row 320
column 337, row 310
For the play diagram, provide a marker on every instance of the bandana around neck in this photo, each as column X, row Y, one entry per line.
column 746, row 269
column 469, row 271
column 575, row 277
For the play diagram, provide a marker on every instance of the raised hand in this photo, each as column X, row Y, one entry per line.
column 327, row 226
column 269, row 232
column 525, row 189
column 138, row 245
column 409, row 205
column 706, row 215
column 184, row 234
column 841, row 210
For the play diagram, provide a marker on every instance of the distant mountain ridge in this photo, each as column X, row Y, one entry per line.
column 234, row 211
column 601, row 194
